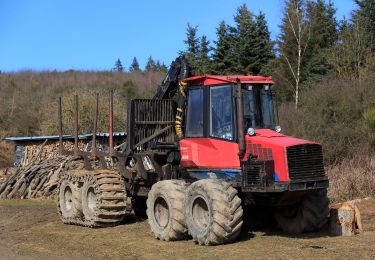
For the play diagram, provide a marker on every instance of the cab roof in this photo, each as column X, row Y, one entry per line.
column 216, row 80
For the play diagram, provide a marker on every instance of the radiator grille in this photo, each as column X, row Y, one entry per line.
column 305, row 162
column 253, row 174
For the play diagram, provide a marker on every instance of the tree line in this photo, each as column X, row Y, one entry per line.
column 151, row 65
column 311, row 45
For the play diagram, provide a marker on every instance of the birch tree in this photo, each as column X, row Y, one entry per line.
column 293, row 42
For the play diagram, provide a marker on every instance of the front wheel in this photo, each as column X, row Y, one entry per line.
column 165, row 210
column 213, row 212
column 309, row 215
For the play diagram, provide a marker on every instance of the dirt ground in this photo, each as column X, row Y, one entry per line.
column 31, row 229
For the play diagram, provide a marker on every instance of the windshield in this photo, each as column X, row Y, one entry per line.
column 258, row 107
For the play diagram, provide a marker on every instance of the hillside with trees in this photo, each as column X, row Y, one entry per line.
column 324, row 69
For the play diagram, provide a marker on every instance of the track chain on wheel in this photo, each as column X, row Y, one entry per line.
column 72, row 179
column 103, row 198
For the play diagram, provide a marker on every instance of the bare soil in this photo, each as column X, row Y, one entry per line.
column 31, row 229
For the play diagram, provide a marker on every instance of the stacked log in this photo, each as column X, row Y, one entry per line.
column 46, row 151
column 37, row 174
column 4, row 173
column 38, row 179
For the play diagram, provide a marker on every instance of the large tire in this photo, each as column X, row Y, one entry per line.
column 104, row 201
column 309, row 215
column 166, row 210
column 69, row 201
column 213, row 212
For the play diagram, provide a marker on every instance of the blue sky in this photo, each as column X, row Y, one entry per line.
column 92, row 34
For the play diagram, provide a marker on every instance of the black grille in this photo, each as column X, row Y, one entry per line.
column 257, row 173
column 305, row 162
column 253, row 174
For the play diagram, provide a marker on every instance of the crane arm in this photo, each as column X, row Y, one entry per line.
column 179, row 69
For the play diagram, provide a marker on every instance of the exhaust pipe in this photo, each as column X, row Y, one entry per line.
column 240, row 124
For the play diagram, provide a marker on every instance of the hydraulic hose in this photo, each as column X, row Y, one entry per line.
column 182, row 88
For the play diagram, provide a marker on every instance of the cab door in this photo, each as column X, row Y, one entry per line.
column 210, row 140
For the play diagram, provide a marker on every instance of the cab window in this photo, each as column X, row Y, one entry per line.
column 221, row 112
column 194, row 117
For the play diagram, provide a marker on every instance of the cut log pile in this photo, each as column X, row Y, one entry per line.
column 4, row 173
column 45, row 151
column 37, row 174
column 38, row 179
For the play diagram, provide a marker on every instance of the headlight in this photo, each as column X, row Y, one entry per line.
column 278, row 128
column 250, row 131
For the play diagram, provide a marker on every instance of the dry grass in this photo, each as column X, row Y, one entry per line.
column 352, row 178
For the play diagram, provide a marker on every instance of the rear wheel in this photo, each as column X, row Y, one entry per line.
column 213, row 212
column 69, row 201
column 103, row 199
column 166, row 210
column 309, row 215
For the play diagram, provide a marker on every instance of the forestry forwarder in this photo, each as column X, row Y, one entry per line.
column 198, row 161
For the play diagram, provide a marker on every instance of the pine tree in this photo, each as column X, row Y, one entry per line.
column 263, row 45
column 163, row 68
column 203, row 59
column 150, row 65
column 223, row 58
column 134, row 66
column 246, row 41
column 192, row 42
column 365, row 17
column 323, row 35
column 118, row 66
column 157, row 66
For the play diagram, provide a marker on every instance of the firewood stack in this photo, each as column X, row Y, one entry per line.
column 37, row 174
column 38, row 179
column 4, row 173
column 45, row 151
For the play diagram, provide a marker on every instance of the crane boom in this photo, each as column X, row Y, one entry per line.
column 178, row 70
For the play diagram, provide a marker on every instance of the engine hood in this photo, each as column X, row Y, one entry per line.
column 274, row 138
column 267, row 144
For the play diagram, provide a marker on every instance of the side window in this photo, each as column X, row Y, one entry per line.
column 194, row 117
column 221, row 112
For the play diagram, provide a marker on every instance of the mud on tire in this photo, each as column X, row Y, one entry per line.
column 69, row 201
column 166, row 210
column 213, row 212
column 103, row 199
column 310, row 215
